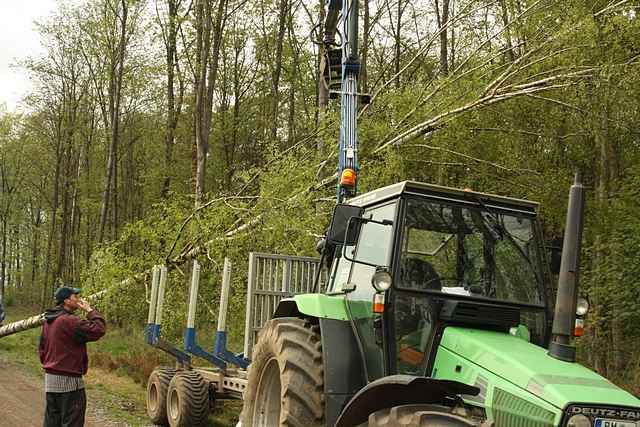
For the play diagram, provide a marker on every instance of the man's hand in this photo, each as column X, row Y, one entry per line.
column 83, row 305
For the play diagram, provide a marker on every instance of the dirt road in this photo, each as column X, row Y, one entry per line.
column 22, row 401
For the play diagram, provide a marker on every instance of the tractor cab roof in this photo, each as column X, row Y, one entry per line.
column 446, row 194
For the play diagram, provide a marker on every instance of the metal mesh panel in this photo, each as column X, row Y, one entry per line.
column 273, row 277
column 510, row 410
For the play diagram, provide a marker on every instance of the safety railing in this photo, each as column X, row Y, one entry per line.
column 270, row 278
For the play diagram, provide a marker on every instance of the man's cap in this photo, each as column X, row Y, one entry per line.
column 64, row 292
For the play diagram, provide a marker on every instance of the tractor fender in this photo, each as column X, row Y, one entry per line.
column 396, row 390
column 313, row 305
column 287, row 307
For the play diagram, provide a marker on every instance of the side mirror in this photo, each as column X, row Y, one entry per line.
column 338, row 229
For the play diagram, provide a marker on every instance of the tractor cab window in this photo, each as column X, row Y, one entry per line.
column 414, row 320
column 374, row 247
column 340, row 269
column 470, row 252
column 454, row 251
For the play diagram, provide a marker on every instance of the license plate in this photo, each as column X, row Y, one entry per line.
column 606, row 422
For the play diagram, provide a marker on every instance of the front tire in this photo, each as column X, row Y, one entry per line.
column 187, row 400
column 157, row 387
column 286, row 377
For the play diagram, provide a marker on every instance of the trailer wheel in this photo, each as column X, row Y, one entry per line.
column 286, row 377
column 157, row 387
column 187, row 400
column 417, row 416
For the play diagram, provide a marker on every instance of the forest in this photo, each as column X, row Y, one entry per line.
column 163, row 131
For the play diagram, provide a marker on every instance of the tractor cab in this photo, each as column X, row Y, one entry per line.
column 413, row 258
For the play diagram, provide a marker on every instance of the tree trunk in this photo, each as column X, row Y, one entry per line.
column 207, row 69
column 237, row 97
column 507, row 32
column 45, row 296
column 89, row 219
column 223, row 111
column 322, row 89
column 3, row 260
column 64, row 221
column 398, row 42
column 366, row 30
column 443, row 19
column 218, row 30
column 522, row 39
column 114, row 188
column 7, row 190
column 172, row 117
column 35, row 251
column 18, row 255
column 203, row 44
column 452, row 48
column 277, row 68
column 291, row 128
column 35, row 217
column 115, row 92
column 75, row 213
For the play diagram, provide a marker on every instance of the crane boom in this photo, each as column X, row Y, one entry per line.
column 350, row 68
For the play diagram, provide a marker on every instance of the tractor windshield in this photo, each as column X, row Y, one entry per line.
column 470, row 251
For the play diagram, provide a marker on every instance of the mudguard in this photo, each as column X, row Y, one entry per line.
column 313, row 305
column 398, row 390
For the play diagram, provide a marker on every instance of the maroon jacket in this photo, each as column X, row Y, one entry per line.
column 63, row 348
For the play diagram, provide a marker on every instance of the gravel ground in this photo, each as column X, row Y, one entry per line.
column 22, row 403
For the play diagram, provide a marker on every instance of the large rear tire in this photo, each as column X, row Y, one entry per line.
column 418, row 416
column 187, row 400
column 286, row 376
column 157, row 387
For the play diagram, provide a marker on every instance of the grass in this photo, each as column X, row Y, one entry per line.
column 22, row 349
column 120, row 364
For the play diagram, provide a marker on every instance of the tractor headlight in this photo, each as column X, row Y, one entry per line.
column 381, row 279
column 579, row 421
column 582, row 307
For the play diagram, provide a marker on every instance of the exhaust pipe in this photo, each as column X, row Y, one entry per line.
column 565, row 311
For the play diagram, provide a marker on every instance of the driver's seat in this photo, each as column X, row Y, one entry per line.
column 419, row 274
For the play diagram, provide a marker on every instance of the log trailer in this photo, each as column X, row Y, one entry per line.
column 432, row 311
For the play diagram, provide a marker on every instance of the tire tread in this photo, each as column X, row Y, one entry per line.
column 297, row 345
column 161, row 376
column 193, row 393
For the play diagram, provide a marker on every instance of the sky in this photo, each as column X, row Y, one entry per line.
column 18, row 40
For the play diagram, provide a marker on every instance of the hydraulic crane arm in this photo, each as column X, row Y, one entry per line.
column 350, row 68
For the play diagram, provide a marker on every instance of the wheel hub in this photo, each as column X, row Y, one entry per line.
column 153, row 397
column 267, row 407
column 174, row 405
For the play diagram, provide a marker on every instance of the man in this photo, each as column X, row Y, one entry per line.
column 2, row 314
column 63, row 353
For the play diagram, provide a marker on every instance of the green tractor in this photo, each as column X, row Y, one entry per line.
column 436, row 314
column 436, row 311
